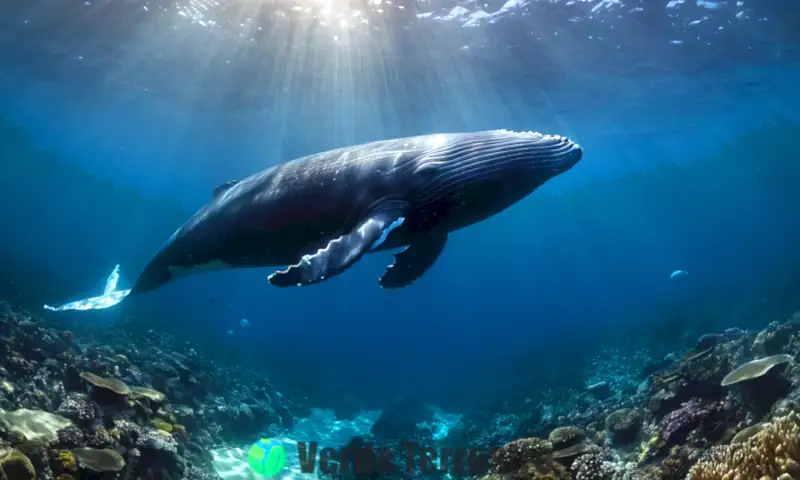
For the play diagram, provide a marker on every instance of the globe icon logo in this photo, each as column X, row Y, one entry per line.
column 267, row 457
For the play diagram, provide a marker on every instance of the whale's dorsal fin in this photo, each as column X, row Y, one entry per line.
column 342, row 252
column 224, row 187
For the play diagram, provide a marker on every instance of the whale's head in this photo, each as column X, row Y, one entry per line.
column 541, row 155
column 494, row 168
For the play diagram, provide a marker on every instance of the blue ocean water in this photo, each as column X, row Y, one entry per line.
column 118, row 119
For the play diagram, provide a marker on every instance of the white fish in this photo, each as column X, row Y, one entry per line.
column 678, row 274
column 111, row 296
column 244, row 323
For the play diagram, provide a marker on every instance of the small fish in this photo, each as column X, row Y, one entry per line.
column 230, row 332
column 244, row 323
column 678, row 274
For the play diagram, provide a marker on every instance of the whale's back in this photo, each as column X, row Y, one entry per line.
column 295, row 207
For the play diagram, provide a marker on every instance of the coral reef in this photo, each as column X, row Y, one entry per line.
column 136, row 409
column 15, row 465
column 772, row 452
column 727, row 409
column 96, row 460
column 623, row 425
column 563, row 437
column 529, row 458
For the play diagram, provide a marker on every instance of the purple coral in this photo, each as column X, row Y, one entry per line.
column 678, row 423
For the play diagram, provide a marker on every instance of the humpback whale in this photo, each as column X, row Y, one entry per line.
column 319, row 214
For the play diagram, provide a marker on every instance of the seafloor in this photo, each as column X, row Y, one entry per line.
column 150, row 407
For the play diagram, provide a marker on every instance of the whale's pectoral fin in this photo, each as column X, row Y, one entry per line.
column 414, row 261
column 341, row 253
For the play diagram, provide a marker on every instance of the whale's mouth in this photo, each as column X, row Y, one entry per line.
column 570, row 158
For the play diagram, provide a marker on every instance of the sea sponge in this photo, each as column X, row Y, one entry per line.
column 772, row 452
column 564, row 437
column 67, row 460
column 100, row 460
column 16, row 466
column 754, row 369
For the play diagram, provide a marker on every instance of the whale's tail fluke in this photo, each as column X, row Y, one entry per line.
column 110, row 297
column 111, row 281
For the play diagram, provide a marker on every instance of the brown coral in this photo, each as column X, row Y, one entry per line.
column 162, row 425
column 591, row 467
column 571, row 453
column 104, row 460
column 623, row 425
column 760, row 383
column 754, row 369
column 15, row 465
column 564, row 437
column 148, row 393
column 776, row 338
column 771, row 452
column 529, row 459
column 112, row 384
column 745, row 433
column 33, row 425
column 515, row 454
column 677, row 463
